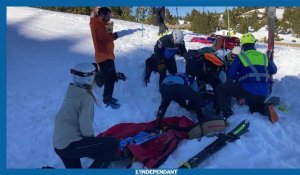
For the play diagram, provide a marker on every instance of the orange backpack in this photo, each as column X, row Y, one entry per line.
column 213, row 59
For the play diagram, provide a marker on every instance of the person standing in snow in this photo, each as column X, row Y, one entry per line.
column 163, row 58
column 103, row 39
column 159, row 13
column 73, row 132
column 248, row 77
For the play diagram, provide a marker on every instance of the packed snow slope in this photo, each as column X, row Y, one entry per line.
column 42, row 46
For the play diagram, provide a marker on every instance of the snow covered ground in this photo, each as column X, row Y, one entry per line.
column 42, row 46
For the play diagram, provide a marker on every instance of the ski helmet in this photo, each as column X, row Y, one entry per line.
column 177, row 36
column 84, row 73
column 248, row 38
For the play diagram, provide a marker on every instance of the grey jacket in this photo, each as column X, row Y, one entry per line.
column 75, row 117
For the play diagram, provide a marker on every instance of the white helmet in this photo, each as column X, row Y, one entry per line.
column 177, row 36
column 84, row 73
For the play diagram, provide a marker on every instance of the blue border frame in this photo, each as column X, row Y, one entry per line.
column 154, row 2
column 3, row 86
column 5, row 3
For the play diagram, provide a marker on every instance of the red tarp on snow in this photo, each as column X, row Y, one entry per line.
column 154, row 152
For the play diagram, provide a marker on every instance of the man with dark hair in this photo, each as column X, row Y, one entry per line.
column 103, row 39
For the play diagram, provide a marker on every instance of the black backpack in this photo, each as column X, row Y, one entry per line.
column 197, row 62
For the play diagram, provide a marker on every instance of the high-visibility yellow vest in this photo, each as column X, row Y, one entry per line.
column 252, row 58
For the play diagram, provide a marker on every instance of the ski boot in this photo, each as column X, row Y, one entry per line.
column 113, row 103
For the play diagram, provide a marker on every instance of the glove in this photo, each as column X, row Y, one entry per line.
column 121, row 76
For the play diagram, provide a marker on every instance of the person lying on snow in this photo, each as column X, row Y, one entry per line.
column 163, row 58
column 181, row 87
column 248, row 77
column 207, row 68
column 73, row 132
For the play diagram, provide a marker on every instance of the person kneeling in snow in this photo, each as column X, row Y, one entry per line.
column 181, row 87
column 248, row 77
column 163, row 58
column 73, row 133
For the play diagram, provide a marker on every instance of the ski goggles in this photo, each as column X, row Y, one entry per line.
column 83, row 74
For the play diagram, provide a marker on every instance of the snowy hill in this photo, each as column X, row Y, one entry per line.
column 42, row 46
column 261, row 11
column 261, row 34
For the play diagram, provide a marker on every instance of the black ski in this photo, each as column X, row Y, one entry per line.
column 217, row 145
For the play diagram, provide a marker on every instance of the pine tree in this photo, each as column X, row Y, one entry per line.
column 296, row 21
column 150, row 19
column 116, row 12
column 168, row 17
column 188, row 17
column 140, row 13
column 243, row 25
column 126, row 14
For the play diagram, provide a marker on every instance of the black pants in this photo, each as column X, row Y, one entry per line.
column 101, row 149
column 110, row 77
column 231, row 89
column 195, row 68
column 160, row 19
column 179, row 93
column 211, row 78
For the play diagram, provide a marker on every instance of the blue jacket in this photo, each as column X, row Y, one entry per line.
column 252, row 86
column 180, row 78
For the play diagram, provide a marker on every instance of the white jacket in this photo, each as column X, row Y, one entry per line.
column 75, row 117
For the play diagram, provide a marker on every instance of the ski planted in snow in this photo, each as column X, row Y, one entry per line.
column 271, row 35
column 271, row 30
column 217, row 145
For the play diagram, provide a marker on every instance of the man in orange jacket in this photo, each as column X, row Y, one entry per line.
column 103, row 39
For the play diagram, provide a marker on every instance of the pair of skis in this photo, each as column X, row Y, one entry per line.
column 218, row 144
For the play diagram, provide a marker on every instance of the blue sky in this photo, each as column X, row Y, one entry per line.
column 182, row 11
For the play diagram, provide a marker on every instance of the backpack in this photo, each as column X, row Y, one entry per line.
column 202, row 60
column 229, row 42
